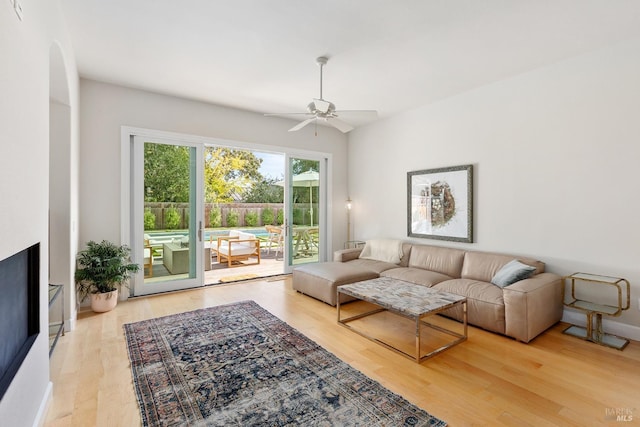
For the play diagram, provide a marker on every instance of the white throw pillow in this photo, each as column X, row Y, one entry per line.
column 386, row 250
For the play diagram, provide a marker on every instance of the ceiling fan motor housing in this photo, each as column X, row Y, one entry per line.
column 321, row 112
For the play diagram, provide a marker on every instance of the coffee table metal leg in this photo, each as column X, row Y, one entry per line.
column 464, row 316
column 418, row 323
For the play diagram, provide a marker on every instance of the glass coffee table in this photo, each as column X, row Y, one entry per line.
column 408, row 300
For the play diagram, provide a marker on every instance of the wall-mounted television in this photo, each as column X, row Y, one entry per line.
column 19, row 310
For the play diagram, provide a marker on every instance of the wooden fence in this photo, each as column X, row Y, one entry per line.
column 167, row 216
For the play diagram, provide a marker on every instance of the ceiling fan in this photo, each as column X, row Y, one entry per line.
column 321, row 109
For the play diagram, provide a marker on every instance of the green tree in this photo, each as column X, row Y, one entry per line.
column 251, row 218
column 264, row 191
column 232, row 218
column 267, row 216
column 172, row 219
column 215, row 217
column 228, row 173
column 300, row 165
column 149, row 220
column 166, row 173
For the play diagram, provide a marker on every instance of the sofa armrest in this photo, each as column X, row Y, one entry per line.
column 344, row 255
column 532, row 305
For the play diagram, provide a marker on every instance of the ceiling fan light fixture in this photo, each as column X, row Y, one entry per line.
column 321, row 108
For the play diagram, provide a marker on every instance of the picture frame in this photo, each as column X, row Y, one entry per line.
column 440, row 203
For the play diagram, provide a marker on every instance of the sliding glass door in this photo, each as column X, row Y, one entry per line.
column 166, row 220
column 174, row 226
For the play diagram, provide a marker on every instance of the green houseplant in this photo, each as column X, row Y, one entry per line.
column 102, row 269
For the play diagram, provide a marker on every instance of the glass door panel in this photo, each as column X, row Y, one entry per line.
column 305, row 223
column 167, row 217
column 243, row 193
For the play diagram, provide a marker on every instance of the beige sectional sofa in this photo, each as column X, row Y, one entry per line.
column 521, row 310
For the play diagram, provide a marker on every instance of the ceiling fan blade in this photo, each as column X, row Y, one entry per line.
column 302, row 124
column 287, row 114
column 340, row 125
column 321, row 105
column 364, row 114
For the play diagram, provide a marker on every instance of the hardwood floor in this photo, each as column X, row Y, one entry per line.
column 489, row 380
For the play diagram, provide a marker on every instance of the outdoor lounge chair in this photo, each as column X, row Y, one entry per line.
column 237, row 246
column 275, row 238
column 314, row 239
column 148, row 259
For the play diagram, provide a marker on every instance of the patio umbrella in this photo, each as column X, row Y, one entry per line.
column 306, row 179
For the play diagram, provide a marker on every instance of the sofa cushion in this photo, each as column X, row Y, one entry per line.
column 418, row 276
column 247, row 236
column 336, row 272
column 483, row 265
column 371, row 265
column 236, row 249
column 406, row 254
column 442, row 260
column 512, row 272
column 485, row 303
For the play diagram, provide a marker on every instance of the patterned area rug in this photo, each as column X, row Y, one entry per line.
column 238, row 364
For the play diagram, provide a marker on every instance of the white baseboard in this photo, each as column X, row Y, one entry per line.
column 622, row 330
column 70, row 324
column 44, row 405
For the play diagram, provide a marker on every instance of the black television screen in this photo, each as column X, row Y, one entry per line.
column 19, row 310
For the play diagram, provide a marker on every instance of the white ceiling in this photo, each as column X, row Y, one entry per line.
column 386, row 55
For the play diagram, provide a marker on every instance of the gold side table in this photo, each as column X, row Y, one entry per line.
column 594, row 332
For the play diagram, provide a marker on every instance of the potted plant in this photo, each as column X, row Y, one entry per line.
column 102, row 268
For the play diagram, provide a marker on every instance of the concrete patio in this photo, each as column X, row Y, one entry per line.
column 270, row 265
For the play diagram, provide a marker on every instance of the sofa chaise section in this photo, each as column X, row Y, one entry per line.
column 320, row 281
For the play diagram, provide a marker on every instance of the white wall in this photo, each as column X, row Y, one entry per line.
column 556, row 154
column 24, row 173
column 105, row 108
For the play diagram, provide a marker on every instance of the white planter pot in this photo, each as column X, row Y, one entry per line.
column 104, row 302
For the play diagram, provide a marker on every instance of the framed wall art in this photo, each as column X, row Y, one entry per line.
column 440, row 203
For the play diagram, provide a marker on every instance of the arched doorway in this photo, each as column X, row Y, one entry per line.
column 62, row 243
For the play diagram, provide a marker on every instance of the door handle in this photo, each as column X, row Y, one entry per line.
column 200, row 231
